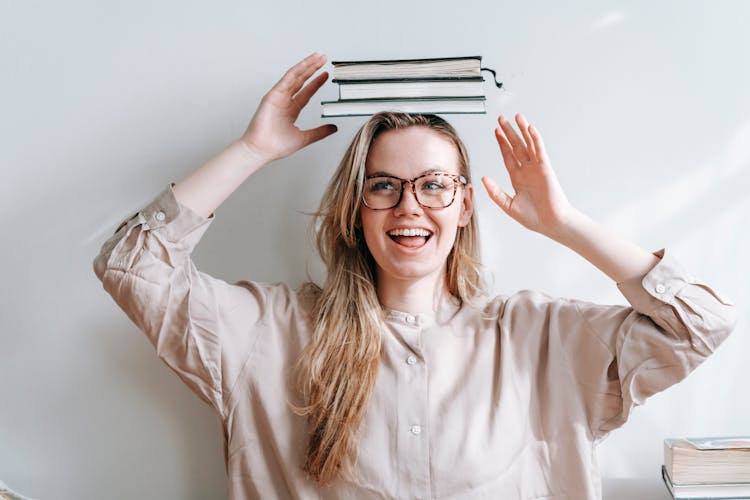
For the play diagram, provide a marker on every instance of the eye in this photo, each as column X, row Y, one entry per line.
column 432, row 185
column 382, row 185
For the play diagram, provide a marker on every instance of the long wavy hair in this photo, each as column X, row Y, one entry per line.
column 337, row 370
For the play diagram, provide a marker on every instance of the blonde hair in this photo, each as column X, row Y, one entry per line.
column 338, row 369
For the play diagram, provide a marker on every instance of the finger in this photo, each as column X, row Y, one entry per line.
column 519, row 148
column 498, row 195
column 298, row 74
column 316, row 134
column 304, row 95
column 511, row 162
column 523, row 125
column 541, row 151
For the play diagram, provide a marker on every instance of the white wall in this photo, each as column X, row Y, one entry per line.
column 644, row 107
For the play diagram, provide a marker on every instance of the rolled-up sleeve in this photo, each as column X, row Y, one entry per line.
column 619, row 356
column 200, row 326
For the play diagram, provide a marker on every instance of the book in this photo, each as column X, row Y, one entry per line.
column 363, row 107
column 410, row 87
column 408, row 68
column 447, row 85
column 721, row 443
column 708, row 460
column 680, row 491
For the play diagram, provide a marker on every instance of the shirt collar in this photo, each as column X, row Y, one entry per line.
column 443, row 314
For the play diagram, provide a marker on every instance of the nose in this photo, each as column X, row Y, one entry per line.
column 408, row 203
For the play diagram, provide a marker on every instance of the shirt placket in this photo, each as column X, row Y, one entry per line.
column 413, row 428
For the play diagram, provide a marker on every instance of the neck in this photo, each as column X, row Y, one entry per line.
column 419, row 295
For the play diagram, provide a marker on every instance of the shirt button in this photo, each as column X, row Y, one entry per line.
column 660, row 288
column 411, row 360
column 160, row 216
column 416, row 430
column 410, row 319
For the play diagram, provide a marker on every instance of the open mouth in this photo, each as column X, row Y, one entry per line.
column 410, row 237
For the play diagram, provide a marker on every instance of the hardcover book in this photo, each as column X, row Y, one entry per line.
column 707, row 460
column 410, row 87
column 683, row 491
column 365, row 107
column 408, row 68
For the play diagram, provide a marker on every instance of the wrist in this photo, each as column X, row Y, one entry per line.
column 253, row 159
column 569, row 227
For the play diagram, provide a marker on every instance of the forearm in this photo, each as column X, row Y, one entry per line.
column 613, row 255
column 208, row 186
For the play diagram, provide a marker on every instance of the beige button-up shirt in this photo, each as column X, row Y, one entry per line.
column 505, row 399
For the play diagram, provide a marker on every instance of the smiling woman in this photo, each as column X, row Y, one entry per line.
column 412, row 235
column 399, row 377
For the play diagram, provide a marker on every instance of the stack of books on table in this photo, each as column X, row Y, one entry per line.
column 438, row 85
column 708, row 468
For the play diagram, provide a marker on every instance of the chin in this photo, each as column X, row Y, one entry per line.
column 409, row 272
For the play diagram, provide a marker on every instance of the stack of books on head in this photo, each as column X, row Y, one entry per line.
column 445, row 85
column 708, row 468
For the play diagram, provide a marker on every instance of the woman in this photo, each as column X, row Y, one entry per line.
column 399, row 377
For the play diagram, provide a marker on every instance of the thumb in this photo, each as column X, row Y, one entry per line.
column 498, row 195
column 316, row 134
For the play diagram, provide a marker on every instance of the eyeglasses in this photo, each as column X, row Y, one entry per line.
column 431, row 190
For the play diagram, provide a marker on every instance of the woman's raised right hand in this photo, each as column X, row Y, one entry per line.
column 272, row 134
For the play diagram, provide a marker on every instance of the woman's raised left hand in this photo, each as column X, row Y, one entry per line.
column 539, row 203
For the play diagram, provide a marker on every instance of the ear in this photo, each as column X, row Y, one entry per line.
column 467, row 206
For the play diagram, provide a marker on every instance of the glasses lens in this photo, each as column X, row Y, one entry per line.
column 382, row 192
column 435, row 190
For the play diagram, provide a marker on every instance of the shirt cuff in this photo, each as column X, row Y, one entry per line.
column 658, row 286
column 176, row 219
column 661, row 284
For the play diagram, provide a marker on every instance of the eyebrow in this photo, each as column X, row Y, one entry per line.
column 383, row 173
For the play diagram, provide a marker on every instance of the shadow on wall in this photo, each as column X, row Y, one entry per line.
column 682, row 204
column 188, row 427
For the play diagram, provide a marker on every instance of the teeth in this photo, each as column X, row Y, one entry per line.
column 409, row 232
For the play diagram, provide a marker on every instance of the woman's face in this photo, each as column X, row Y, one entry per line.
column 399, row 253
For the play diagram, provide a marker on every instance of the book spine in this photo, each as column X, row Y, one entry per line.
column 405, row 61
column 418, row 106
column 406, row 99
column 443, row 90
column 408, row 80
